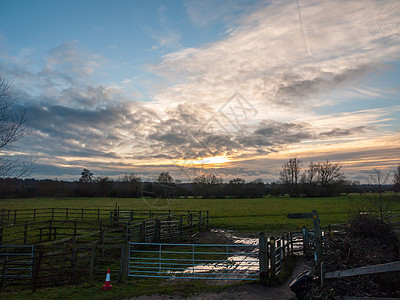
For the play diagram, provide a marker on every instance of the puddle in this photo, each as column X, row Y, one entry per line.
column 236, row 239
column 235, row 258
column 297, row 239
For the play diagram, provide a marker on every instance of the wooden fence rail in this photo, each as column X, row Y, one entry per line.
column 14, row 216
column 38, row 231
column 375, row 269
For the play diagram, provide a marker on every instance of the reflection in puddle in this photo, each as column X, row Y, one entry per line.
column 237, row 261
column 297, row 239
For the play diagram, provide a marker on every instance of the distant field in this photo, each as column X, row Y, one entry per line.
column 267, row 214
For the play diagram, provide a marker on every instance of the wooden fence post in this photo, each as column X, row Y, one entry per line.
column 157, row 230
column 263, row 256
column 74, row 258
column 66, row 214
column 34, row 214
column 50, row 226
column 305, row 240
column 317, row 235
column 287, row 244
column 124, row 261
column 52, row 213
column 92, row 261
column 273, row 257
column 283, row 250
column 279, row 250
column 200, row 221
column 291, row 242
column 101, row 242
column 15, row 216
column 207, row 219
column 74, row 228
column 125, row 233
column 143, row 231
column 329, row 232
column 36, row 268
column 25, row 232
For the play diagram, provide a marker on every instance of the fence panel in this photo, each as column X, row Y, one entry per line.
column 16, row 261
column 194, row 261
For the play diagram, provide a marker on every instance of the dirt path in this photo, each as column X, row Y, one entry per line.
column 248, row 291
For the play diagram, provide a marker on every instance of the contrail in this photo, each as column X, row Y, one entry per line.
column 307, row 47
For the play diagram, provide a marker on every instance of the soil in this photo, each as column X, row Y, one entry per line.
column 253, row 291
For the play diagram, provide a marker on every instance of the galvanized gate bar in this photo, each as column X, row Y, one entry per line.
column 194, row 261
column 16, row 261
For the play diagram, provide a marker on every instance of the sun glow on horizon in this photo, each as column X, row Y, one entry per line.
column 212, row 160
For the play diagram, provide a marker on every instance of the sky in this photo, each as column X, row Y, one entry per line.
column 232, row 88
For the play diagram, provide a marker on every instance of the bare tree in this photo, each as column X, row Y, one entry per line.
column 130, row 178
column 237, row 181
column 290, row 175
column 12, row 129
column 378, row 180
column 330, row 176
column 130, row 185
column 207, row 185
column 209, row 179
column 310, row 179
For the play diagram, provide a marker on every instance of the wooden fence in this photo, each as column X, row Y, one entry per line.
column 393, row 220
column 272, row 252
column 74, row 245
column 14, row 216
column 161, row 228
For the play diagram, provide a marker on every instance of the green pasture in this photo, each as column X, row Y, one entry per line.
column 250, row 215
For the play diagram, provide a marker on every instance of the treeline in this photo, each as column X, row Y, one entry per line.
column 321, row 179
column 26, row 188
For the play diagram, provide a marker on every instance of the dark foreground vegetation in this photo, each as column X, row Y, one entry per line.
column 368, row 242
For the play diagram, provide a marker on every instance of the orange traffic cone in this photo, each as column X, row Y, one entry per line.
column 107, row 286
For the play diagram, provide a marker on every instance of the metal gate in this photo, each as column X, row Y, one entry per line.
column 16, row 261
column 194, row 261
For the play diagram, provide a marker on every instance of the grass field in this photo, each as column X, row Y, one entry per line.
column 250, row 215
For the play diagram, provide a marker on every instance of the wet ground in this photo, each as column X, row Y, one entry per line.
column 251, row 291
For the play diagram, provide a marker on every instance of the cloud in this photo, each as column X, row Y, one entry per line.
column 342, row 132
column 208, row 12
column 68, row 62
column 263, row 57
column 166, row 37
